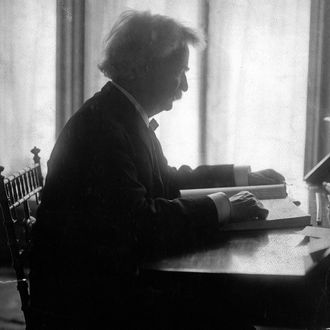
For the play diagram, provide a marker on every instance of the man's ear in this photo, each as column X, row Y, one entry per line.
column 141, row 71
column 131, row 75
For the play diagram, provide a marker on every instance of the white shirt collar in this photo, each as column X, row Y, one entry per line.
column 136, row 104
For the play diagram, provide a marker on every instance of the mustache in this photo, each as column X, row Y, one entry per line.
column 178, row 96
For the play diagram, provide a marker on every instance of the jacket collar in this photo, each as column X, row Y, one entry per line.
column 136, row 104
column 120, row 107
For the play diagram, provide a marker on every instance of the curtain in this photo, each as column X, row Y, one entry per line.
column 27, row 84
column 178, row 130
column 70, row 20
column 257, row 84
column 318, row 105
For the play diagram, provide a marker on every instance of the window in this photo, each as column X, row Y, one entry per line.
column 27, row 85
column 255, row 81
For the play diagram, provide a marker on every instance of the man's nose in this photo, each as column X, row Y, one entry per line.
column 184, row 83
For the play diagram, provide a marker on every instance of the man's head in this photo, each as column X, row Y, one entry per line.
column 148, row 55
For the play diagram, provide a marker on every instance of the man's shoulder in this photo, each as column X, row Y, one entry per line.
column 109, row 102
column 101, row 110
column 108, row 115
column 101, row 100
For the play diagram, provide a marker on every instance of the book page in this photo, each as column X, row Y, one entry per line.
column 282, row 209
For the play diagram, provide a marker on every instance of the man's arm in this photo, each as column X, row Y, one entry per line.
column 160, row 225
column 204, row 176
column 212, row 176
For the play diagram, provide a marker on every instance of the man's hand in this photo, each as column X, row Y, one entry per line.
column 264, row 177
column 244, row 206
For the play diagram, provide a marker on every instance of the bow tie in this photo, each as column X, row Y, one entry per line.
column 153, row 124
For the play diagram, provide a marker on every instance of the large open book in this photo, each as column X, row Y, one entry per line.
column 283, row 213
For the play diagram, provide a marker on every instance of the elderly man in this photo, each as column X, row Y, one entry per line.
column 110, row 199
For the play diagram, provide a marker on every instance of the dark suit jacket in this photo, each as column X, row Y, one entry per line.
column 110, row 199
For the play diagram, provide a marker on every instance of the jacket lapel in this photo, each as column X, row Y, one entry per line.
column 126, row 113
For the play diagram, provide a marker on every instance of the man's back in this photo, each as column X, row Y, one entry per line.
column 80, row 242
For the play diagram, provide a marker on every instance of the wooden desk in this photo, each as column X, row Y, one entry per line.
column 274, row 253
column 270, row 271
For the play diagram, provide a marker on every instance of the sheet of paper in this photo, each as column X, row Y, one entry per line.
column 318, row 244
column 319, row 232
column 288, row 240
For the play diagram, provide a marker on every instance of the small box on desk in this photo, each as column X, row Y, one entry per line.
column 320, row 172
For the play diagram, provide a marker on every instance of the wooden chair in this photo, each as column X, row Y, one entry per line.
column 16, row 192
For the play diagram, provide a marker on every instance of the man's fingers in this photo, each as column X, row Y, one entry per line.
column 258, row 211
column 262, row 213
column 268, row 176
column 274, row 175
column 246, row 207
column 258, row 179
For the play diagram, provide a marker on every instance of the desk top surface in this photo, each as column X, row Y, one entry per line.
column 277, row 252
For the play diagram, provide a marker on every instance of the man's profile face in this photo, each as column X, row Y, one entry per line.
column 167, row 80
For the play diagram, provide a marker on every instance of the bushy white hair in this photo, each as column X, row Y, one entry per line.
column 137, row 38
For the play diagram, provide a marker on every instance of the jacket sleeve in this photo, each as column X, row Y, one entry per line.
column 204, row 176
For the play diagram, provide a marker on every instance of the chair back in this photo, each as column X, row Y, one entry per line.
column 16, row 192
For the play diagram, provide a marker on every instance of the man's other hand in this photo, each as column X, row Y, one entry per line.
column 264, row 177
column 245, row 206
